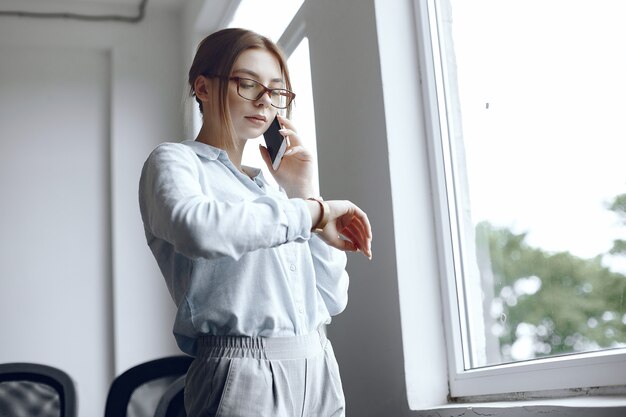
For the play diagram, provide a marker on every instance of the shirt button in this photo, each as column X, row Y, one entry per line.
column 301, row 309
column 292, row 267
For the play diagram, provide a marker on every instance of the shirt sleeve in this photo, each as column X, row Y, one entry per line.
column 330, row 273
column 175, row 208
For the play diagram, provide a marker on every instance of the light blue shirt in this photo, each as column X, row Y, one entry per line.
column 238, row 255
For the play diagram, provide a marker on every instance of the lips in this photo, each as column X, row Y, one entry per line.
column 258, row 117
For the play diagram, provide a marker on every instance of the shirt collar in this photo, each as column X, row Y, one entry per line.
column 204, row 150
column 253, row 172
column 212, row 153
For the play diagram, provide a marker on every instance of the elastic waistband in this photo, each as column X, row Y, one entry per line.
column 272, row 348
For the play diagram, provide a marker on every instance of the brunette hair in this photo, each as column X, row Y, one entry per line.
column 215, row 57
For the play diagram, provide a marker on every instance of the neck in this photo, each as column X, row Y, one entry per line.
column 234, row 154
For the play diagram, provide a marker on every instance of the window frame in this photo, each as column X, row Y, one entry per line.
column 602, row 372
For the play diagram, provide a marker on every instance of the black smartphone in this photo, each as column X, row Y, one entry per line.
column 275, row 143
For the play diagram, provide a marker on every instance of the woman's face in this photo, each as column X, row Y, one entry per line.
column 252, row 118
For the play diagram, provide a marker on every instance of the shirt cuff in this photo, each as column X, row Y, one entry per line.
column 299, row 221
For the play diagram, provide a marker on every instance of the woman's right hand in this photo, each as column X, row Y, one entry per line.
column 348, row 227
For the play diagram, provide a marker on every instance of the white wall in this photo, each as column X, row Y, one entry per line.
column 56, row 277
column 85, row 296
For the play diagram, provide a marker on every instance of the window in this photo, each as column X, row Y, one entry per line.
column 303, row 109
column 526, row 98
column 272, row 21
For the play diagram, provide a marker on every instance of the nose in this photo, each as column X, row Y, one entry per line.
column 265, row 99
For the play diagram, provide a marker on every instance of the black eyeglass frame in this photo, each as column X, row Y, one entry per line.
column 290, row 94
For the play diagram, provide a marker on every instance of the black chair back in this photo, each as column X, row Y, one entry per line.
column 148, row 375
column 36, row 389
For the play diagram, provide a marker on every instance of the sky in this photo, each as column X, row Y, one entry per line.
column 542, row 92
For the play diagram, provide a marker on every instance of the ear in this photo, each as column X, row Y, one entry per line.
column 202, row 87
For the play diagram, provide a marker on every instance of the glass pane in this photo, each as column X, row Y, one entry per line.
column 269, row 18
column 535, row 102
column 303, row 108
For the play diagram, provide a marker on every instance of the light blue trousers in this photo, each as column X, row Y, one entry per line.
column 266, row 377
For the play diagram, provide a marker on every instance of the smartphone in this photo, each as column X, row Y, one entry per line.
column 275, row 143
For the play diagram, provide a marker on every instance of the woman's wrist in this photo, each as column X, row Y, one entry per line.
column 323, row 216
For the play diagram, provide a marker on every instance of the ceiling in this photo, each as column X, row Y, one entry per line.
column 83, row 6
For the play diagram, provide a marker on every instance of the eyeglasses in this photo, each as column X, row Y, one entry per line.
column 254, row 90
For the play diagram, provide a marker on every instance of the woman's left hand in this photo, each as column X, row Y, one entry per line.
column 295, row 173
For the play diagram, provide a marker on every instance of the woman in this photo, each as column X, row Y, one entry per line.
column 256, row 272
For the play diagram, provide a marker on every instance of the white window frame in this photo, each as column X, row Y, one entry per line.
column 602, row 372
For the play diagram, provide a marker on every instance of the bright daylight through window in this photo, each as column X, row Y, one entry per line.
column 536, row 185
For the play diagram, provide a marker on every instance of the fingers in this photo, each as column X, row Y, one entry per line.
column 294, row 144
column 339, row 243
column 357, row 233
column 289, row 131
column 286, row 123
column 350, row 243
column 291, row 136
column 357, row 236
column 352, row 223
column 352, row 238
column 300, row 152
column 361, row 217
column 360, row 230
column 346, row 245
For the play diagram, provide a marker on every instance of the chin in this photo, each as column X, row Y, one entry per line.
column 252, row 134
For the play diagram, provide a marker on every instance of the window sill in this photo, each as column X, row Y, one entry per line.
column 600, row 406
